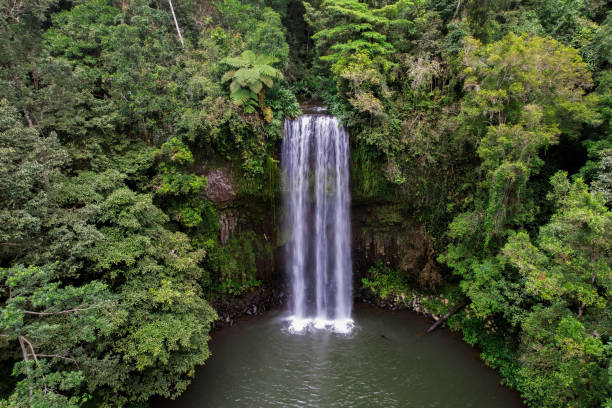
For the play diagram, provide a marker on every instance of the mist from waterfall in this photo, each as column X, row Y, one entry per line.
column 317, row 222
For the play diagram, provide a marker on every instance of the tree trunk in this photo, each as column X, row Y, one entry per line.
column 451, row 312
column 27, row 362
column 457, row 9
column 27, row 116
column 178, row 30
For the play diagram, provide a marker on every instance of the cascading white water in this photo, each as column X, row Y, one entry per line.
column 317, row 215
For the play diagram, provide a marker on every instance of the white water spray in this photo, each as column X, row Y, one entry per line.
column 317, row 210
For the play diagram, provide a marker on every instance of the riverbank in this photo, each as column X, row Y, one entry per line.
column 253, row 303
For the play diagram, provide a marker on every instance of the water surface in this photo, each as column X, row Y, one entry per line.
column 385, row 362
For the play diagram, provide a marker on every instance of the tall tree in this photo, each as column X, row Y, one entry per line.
column 28, row 165
column 50, row 327
column 522, row 93
column 569, row 273
column 251, row 76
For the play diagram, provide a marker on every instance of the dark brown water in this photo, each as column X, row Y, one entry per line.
column 385, row 362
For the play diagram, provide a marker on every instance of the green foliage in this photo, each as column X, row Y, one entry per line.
column 258, row 26
column 462, row 129
column 251, row 74
column 113, row 241
column 599, row 142
column 80, row 35
column 509, row 121
column 397, row 105
column 179, row 190
column 155, row 272
column 356, row 31
column 562, row 363
column 46, row 389
column 574, row 261
column 386, row 283
column 603, row 180
column 568, row 277
column 516, row 105
column 237, row 262
column 368, row 179
column 353, row 38
column 174, row 156
column 49, row 326
column 498, row 347
column 28, row 164
column 454, row 108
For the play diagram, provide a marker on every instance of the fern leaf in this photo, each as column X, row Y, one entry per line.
column 241, row 96
column 236, row 62
column 234, row 86
column 267, row 81
column 267, row 70
column 264, row 59
column 249, row 57
column 228, row 75
column 247, row 76
column 256, row 87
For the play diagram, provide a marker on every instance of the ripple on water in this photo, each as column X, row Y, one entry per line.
column 383, row 362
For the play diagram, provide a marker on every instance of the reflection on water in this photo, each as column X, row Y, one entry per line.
column 384, row 362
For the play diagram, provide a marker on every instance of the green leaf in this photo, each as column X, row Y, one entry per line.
column 241, row 96
column 228, row 75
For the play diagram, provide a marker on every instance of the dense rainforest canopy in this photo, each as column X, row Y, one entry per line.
column 490, row 122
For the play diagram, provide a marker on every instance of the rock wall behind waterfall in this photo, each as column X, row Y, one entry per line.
column 242, row 218
column 382, row 233
column 379, row 232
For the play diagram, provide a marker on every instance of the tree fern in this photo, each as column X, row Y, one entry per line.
column 252, row 74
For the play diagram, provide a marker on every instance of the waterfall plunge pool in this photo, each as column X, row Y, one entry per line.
column 384, row 362
column 316, row 355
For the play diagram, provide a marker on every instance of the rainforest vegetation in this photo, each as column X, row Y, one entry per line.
column 487, row 121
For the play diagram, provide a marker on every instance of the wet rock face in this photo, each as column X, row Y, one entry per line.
column 228, row 222
column 248, row 220
column 220, row 188
column 231, row 308
column 380, row 234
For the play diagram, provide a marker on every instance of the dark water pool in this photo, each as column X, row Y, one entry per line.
column 385, row 362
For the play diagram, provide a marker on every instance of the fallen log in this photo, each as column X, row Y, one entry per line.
column 451, row 312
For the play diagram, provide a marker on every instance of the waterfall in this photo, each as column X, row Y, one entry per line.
column 316, row 225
